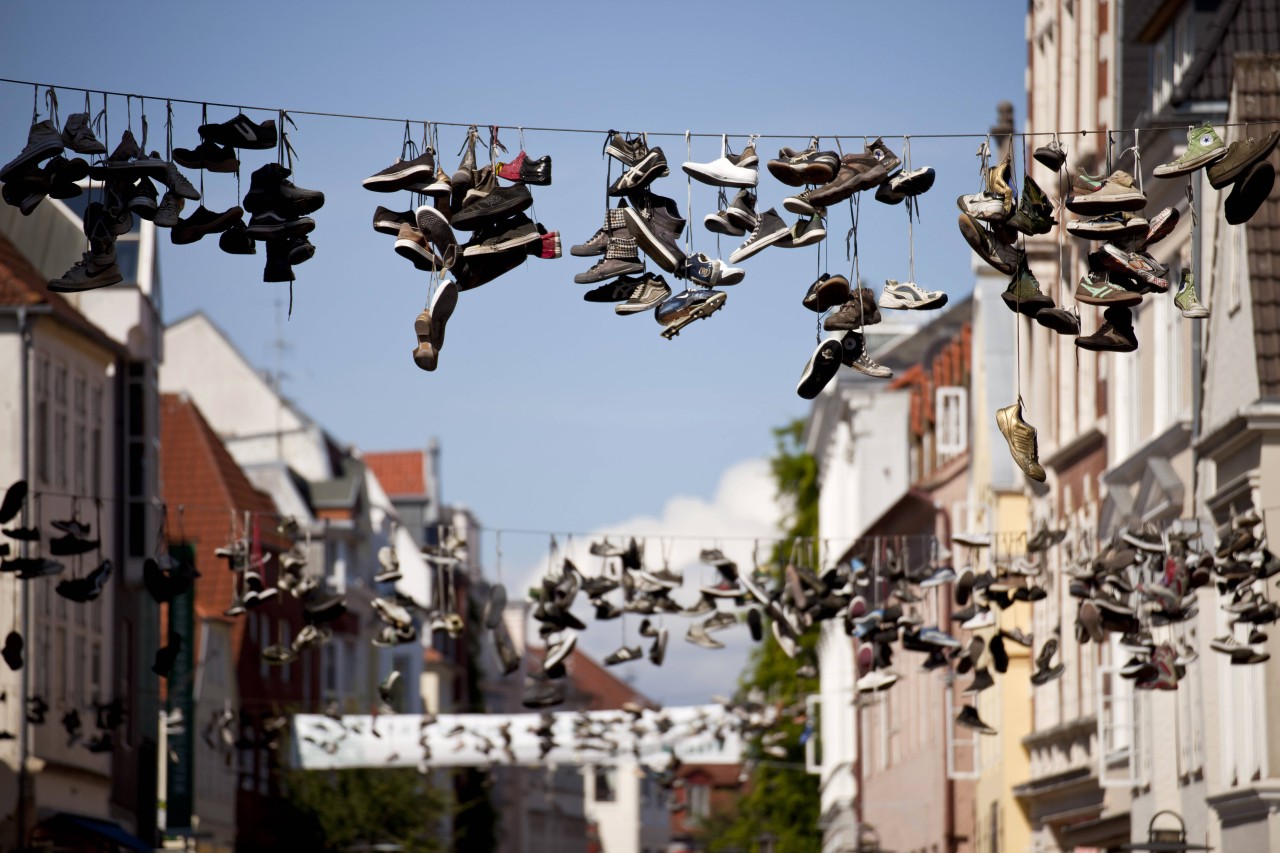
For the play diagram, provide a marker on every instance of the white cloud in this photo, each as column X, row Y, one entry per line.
column 741, row 518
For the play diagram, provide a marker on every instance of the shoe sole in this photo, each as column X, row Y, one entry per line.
column 744, row 252
column 890, row 301
column 442, row 308
column 1249, row 193
column 797, row 205
column 797, row 175
column 808, row 238
column 706, row 176
column 1057, row 323
column 591, row 278
column 702, row 311
column 1090, row 206
column 505, row 246
column 739, row 218
column 627, row 309
column 822, row 367
column 511, row 206
column 718, row 224
column 649, row 243
column 105, row 281
column 580, row 251
column 400, row 180
column 1226, row 178
column 1124, row 299
column 1107, row 231
column 292, row 228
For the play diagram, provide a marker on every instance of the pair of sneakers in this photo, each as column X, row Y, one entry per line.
column 850, row 350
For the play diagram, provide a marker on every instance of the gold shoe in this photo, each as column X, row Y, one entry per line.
column 1022, row 440
column 998, row 183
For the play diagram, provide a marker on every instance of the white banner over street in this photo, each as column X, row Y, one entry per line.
column 697, row 734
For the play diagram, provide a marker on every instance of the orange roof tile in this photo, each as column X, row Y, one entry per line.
column 402, row 473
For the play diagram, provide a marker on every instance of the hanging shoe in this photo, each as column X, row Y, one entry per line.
column 729, row 170
column 827, row 292
column 1186, row 299
column 820, row 369
column 203, row 222
column 1204, row 146
column 1249, row 192
column 1116, row 333
column 646, row 292
column 210, row 156
column 908, row 295
column 241, row 132
column 1021, row 437
column 1060, row 320
column 1023, row 295
column 1240, row 157
column 622, row 257
column 43, row 142
column 413, row 175
column 1051, row 155
column 856, row 355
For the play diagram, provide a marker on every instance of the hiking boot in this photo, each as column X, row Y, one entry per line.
column 1023, row 294
column 1249, row 192
column 77, row 135
column 859, row 311
column 822, row 366
column 709, row 272
column 857, row 172
column 94, row 269
column 647, row 170
column 404, row 174
column 236, row 240
column 628, row 150
column 43, row 142
column 241, row 132
column 1097, row 289
column 685, row 307
column 806, row 232
column 599, row 241
column 1240, row 156
column 646, row 292
column 620, row 258
column 1051, row 155
column 1204, row 146
column 270, row 190
column 502, row 235
column 729, row 170
column 1186, row 300
column 769, row 229
column 1022, row 440
column 277, row 269
column 1114, row 335
column 908, row 295
column 968, row 717
column 1035, row 210
column 656, row 227
column 1060, row 320
column 1091, row 196
column 854, row 354
column 202, row 222
column 998, row 256
column 826, row 293
column 524, row 170
column 811, row 166
column 1137, row 265
column 501, row 203
column 209, row 156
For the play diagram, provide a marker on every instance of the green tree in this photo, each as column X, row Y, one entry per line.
column 782, row 802
column 333, row 811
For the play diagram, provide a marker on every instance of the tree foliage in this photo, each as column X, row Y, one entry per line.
column 338, row 810
column 782, row 802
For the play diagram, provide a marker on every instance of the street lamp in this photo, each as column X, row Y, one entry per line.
column 1167, row 840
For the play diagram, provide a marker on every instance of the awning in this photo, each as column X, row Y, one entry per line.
column 64, row 824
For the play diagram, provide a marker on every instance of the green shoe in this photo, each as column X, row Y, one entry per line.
column 1187, row 301
column 1204, row 146
column 1023, row 295
column 1241, row 154
column 1035, row 211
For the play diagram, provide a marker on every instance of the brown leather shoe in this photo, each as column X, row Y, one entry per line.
column 857, row 172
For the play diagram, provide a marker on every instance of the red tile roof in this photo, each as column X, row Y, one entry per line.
column 22, row 285
column 402, row 473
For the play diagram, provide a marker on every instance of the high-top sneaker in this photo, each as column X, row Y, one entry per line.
column 861, row 310
column 769, row 229
column 1114, row 335
column 854, row 354
column 599, row 241
column 77, row 134
column 1186, row 300
column 656, row 226
column 43, row 141
column 621, row 257
column 270, row 189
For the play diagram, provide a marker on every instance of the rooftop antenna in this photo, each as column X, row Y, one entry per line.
column 276, row 377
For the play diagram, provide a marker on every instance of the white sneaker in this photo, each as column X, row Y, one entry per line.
column 972, row 540
column 877, row 679
column 727, row 171
column 983, row 619
column 983, row 206
column 910, row 296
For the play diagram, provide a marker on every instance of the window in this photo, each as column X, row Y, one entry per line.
column 606, row 784
column 699, row 801
column 952, row 421
column 41, row 426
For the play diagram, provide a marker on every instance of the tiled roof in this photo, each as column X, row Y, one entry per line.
column 1239, row 26
column 22, row 285
column 203, row 487
column 402, row 473
column 1258, row 99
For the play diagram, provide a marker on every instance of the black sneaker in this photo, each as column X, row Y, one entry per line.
column 621, row 258
column 628, row 150
column 1051, row 155
column 434, row 225
column 619, row 290
column 77, row 134
column 202, row 222
column 741, row 212
column 43, row 142
column 769, row 229
column 503, row 235
column 412, row 174
column 63, row 174
column 646, row 292
column 475, row 271
column 300, row 249
column 145, row 201
column 968, row 717
column 278, row 268
column 270, row 189
column 269, row 224
column 822, row 366
column 208, row 156
column 647, row 170
column 236, row 240
column 502, row 202
column 386, row 221
column 624, row 654
column 241, row 132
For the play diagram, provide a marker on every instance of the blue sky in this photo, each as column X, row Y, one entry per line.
column 553, row 413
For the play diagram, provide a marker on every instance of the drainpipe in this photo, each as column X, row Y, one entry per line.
column 1197, row 378
column 24, row 728
column 949, row 800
